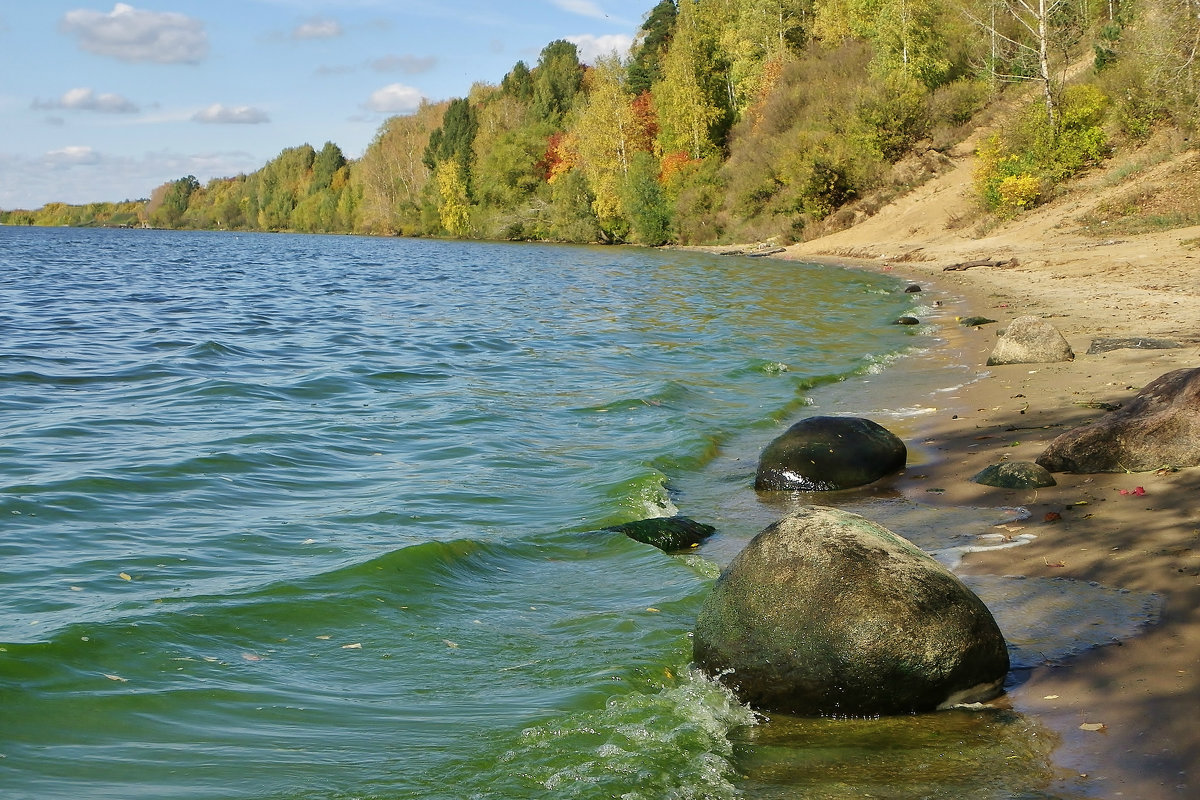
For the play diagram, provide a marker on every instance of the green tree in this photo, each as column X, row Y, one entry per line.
column 518, row 83
column 454, row 140
column 325, row 165
column 607, row 134
column 169, row 202
column 644, row 202
column 686, row 111
column 571, row 218
column 390, row 178
column 557, row 80
column 645, row 68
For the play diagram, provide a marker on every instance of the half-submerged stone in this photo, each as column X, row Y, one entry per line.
column 666, row 533
column 827, row 453
column 828, row 613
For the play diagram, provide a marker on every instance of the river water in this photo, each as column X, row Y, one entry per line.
column 317, row 517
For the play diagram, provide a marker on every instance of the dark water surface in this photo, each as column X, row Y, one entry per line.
column 313, row 517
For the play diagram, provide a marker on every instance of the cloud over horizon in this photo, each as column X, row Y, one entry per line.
column 592, row 47
column 317, row 28
column 130, row 34
column 218, row 114
column 584, row 8
column 81, row 174
column 86, row 99
column 395, row 98
column 407, row 64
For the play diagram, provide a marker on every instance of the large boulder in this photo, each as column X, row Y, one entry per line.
column 827, row 453
column 1030, row 340
column 828, row 613
column 1160, row 427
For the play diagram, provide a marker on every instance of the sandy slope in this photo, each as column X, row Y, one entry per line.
column 1146, row 691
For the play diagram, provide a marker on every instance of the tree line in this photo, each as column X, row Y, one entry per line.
column 729, row 120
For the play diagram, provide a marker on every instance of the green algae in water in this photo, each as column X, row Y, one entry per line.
column 986, row 754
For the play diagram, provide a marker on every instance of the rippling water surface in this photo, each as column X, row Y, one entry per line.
column 293, row 517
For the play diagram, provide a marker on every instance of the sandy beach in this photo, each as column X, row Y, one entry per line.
column 1137, row 699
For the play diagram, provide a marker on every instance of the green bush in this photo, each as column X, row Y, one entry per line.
column 1015, row 171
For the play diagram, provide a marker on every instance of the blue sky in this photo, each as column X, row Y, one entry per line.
column 105, row 101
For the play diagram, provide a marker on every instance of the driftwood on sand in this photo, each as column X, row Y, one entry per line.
column 982, row 262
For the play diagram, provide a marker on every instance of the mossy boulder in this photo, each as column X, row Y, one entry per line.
column 666, row 533
column 828, row 453
column 1015, row 475
column 828, row 613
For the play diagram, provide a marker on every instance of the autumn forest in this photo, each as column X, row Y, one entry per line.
column 731, row 120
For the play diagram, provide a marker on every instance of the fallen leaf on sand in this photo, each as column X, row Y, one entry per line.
column 1052, row 516
column 1050, row 697
column 1054, row 563
column 1093, row 726
column 1138, row 492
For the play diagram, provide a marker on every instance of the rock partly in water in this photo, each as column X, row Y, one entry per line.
column 666, row 533
column 1030, row 340
column 912, row 288
column 828, row 613
column 1160, row 427
column 1015, row 475
column 907, row 321
column 828, row 453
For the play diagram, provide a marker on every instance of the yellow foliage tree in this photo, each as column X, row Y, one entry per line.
column 454, row 211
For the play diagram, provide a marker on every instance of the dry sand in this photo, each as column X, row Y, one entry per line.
column 1145, row 691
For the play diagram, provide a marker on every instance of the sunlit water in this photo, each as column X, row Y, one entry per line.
column 316, row 517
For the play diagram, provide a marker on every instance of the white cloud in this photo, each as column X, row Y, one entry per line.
column 70, row 156
column 395, row 98
column 408, row 64
column 83, row 99
column 318, row 28
column 584, row 8
column 131, row 34
column 593, row 47
column 217, row 114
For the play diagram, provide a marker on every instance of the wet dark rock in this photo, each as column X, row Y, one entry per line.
column 912, row 288
column 827, row 453
column 1160, row 427
column 1030, row 340
column 1100, row 346
column 973, row 322
column 828, row 613
column 1015, row 475
column 666, row 533
column 907, row 321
